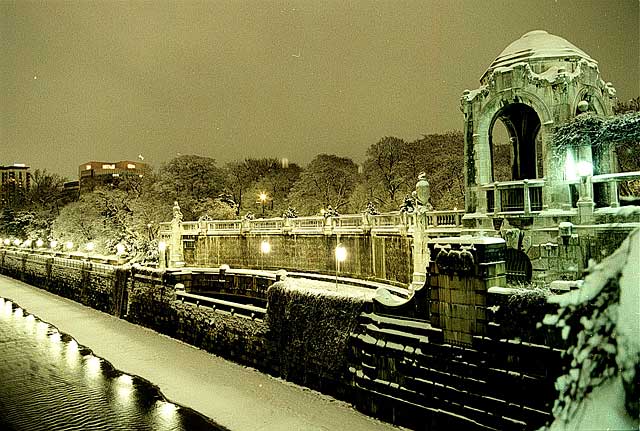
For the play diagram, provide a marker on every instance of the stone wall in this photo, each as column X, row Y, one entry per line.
column 407, row 375
column 382, row 257
column 96, row 285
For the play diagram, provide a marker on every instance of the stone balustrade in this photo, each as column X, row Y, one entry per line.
column 611, row 182
column 523, row 196
column 393, row 222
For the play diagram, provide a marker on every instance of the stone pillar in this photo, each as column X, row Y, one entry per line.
column 420, row 235
column 176, row 256
column 420, row 251
column 460, row 273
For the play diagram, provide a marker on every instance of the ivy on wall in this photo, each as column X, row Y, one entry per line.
column 310, row 332
column 589, row 129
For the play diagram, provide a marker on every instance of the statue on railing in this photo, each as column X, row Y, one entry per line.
column 408, row 205
column 330, row 212
column 371, row 209
column 291, row 212
column 177, row 213
column 422, row 193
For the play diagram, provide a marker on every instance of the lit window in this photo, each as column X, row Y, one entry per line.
column 131, row 166
column 108, row 166
column 115, row 175
column 88, row 167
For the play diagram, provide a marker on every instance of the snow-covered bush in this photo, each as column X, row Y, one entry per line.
column 605, row 341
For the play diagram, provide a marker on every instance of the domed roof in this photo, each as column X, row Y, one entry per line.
column 535, row 46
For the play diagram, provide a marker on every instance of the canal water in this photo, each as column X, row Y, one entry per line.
column 48, row 382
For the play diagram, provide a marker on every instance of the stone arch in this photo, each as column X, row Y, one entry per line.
column 486, row 119
column 523, row 126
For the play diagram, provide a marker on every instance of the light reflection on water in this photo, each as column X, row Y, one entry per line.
column 52, row 383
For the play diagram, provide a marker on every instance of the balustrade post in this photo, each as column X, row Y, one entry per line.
column 527, row 197
column 613, row 190
column 497, row 199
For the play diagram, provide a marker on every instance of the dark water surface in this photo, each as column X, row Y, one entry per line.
column 49, row 382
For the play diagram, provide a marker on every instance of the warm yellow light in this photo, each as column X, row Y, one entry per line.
column 90, row 246
column 39, row 243
column 162, row 246
column 341, row 253
column 265, row 247
column 263, row 196
column 68, row 245
column 53, row 244
column 119, row 249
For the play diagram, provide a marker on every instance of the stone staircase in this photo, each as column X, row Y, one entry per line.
column 404, row 373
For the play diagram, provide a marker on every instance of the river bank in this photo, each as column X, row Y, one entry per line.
column 236, row 397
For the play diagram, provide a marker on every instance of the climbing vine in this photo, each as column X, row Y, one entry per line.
column 596, row 131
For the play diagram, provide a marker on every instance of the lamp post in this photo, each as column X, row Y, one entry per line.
column 68, row 245
column 263, row 200
column 585, row 202
column 265, row 248
column 341, row 256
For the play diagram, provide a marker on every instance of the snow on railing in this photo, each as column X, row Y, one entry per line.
column 190, row 226
column 445, row 218
column 349, row 221
column 315, row 223
column 393, row 222
column 612, row 181
column 232, row 308
column 224, row 225
column 266, row 224
column 387, row 219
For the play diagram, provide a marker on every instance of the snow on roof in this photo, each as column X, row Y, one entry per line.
column 537, row 45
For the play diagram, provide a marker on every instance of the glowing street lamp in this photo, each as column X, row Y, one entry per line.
column 16, row 242
column 27, row 243
column 68, row 245
column 90, row 247
column 263, row 200
column 120, row 249
column 39, row 243
column 341, row 256
column 53, row 244
column 7, row 241
column 265, row 248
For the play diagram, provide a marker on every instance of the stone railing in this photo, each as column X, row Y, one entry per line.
column 393, row 222
column 445, row 218
column 523, row 196
column 611, row 181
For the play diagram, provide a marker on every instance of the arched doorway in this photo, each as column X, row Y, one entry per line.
column 514, row 137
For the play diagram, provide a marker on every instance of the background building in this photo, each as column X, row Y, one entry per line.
column 92, row 174
column 15, row 182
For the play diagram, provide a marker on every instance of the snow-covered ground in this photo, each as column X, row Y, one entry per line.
column 237, row 397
